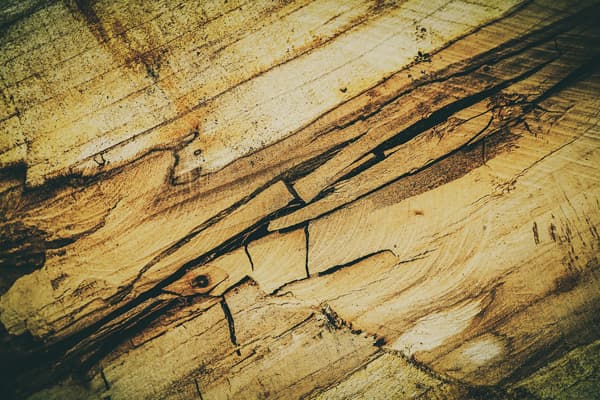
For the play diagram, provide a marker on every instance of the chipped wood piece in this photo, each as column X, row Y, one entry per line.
column 278, row 259
column 260, row 261
column 266, row 202
column 403, row 159
column 371, row 265
column 235, row 264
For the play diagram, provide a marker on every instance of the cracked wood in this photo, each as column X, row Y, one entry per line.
column 299, row 199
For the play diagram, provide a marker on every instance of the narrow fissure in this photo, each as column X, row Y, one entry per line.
column 306, row 241
column 231, row 325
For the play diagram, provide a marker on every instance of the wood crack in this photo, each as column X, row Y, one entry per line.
column 408, row 191
column 231, row 325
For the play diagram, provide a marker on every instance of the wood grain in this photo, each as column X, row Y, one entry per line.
column 357, row 199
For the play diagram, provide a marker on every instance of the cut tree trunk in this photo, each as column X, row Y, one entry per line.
column 332, row 199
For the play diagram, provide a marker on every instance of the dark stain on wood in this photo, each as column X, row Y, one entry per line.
column 566, row 282
column 87, row 11
column 536, row 236
column 22, row 250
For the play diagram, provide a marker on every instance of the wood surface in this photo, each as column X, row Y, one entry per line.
column 301, row 199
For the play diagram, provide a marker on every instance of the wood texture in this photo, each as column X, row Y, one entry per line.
column 321, row 200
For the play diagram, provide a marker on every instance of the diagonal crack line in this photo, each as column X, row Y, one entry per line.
column 504, row 51
column 198, row 389
column 104, row 380
column 249, row 256
column 417, row 128
column 336, row 268
column 230, row 324
column 574, row 76
column 295, row 326
column 443, row 113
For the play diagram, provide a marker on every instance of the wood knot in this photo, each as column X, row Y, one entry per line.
column 201, row 281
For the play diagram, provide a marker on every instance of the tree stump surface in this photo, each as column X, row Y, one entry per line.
column 300, row 199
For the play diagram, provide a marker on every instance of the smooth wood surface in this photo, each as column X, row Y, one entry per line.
column 321, row 200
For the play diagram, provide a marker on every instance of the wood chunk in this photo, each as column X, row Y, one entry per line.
column 234, row 264
column 340, row 280
column 278, row 259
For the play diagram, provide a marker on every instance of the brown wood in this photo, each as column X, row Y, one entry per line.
column 332, row 200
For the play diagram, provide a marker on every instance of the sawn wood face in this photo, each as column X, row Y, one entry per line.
column 328, row 199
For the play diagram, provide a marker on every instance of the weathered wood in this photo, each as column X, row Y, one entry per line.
column 299, row 199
